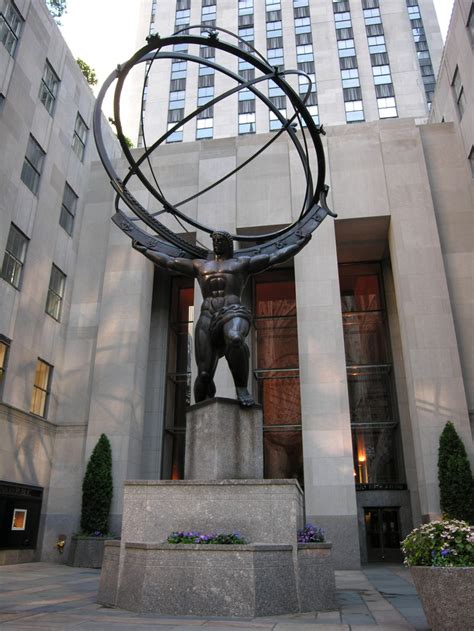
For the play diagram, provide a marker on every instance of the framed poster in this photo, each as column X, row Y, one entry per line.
column 19, row 519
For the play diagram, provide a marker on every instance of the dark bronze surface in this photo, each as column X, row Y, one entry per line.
column 224, row 322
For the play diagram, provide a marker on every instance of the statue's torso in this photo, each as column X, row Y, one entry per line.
column 221, row 282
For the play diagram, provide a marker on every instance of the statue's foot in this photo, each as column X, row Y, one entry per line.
column 244, row 397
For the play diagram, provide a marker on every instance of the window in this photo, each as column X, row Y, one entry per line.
column 41, row 388
column 208, row 13
column 247, row 123
column 33, row 165
column 245, row 7
column 79, row 138
column 176, row 136
column 275, row 56
column 350, row 78
column 274, row 29
column 182, row 17
column 372, row 16
column 377, row 44
column 55, row 293
column 346, row 48
column 4, row 348
column 68, row 209
column 387, row 107
column 381, row 75
column 343, row 20
column 374, row 417
column 275, row 122
column 205, row 95
column 459, row 92
column 178, row 70
column 302, row 25
column 304, row 53
column 177, row 100
column 277, row 373
column 10, row 27
column 180, row 336
column 49, row 88
column 354, row 111
column 204, row 128
column 14, row 258
column 470, row 23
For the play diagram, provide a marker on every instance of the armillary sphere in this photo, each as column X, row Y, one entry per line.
column 304, row 133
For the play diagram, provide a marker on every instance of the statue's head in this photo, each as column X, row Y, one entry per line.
column 223, row 244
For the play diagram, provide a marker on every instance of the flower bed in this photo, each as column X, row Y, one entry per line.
column 217, row 538
column 311, row 534
column 448, row 543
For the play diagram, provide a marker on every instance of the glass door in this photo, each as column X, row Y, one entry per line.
column 382, row 534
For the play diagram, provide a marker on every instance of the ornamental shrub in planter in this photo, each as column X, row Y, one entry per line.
column 87, row 547
column 456, row 483
column 441, row 560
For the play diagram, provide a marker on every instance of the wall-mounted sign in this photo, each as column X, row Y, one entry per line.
column 381, row 487
column 19, row 519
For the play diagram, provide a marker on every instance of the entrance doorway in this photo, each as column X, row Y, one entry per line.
column 383, row 534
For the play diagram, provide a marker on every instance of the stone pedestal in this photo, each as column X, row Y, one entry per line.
column 144, row 574
column 215, row 580
column 223, row 441
column 263, row 511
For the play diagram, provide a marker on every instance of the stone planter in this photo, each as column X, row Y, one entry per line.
column 446, row 594
column 316, row 582
column 87, row 551
column 200, row 580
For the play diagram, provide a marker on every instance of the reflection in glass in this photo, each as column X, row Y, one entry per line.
column 369, row 375
column 277, row 373
column 178, row 385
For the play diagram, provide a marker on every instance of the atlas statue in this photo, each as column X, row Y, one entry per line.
column 224, row 322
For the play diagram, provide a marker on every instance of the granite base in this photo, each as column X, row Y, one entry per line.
column 205, row 580
column 223, row 441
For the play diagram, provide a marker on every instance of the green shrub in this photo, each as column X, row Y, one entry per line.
column 456, row 484
column 448, row 543
column 97, row 490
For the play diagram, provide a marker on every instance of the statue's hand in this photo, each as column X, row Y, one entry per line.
column 138, row 246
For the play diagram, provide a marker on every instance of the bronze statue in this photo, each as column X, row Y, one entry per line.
column 224, row 322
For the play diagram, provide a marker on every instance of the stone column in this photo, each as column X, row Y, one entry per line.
column 327, row 444
column 119, row 371
column 430, row 354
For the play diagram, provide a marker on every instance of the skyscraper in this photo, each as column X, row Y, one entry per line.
column 367, row 59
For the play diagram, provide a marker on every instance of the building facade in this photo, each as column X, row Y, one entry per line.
column 358, row 348
column 367, row 60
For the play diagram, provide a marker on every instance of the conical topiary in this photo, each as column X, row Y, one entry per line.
column 456, row 484
column 97, row 490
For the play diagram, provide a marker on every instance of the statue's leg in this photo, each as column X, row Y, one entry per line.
column 237, row 354
column 206, row 360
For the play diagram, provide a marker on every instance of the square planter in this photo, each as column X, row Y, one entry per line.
column 203, row 580
column 316, row 582
column 446, row 594
column 87, row 551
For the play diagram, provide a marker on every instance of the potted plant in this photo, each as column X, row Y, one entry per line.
column 87, row 547
column 441, row 559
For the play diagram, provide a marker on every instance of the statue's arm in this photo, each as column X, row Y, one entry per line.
column 263, row 261
column 183, row 266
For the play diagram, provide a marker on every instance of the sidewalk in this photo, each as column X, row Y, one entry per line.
column 52, row 596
